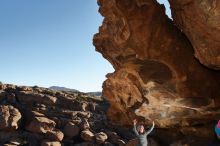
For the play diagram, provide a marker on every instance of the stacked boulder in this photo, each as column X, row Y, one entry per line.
column 40, row 116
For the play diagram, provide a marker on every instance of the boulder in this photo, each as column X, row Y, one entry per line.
column 55, row 135
column 87, row 135
column 9, row 117
column 29, row 97
column 71, row 129
column 101, row 137
column 84, row 106
column 40, row 125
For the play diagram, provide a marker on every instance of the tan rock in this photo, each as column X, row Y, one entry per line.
column 84, row 106
column 29, row 97
column 204, row 31
column 156, row 74
column 40, row 125
column 87, row 135
column 9, row 117
column 71, row 129
column 101, row 137
column 55, row 135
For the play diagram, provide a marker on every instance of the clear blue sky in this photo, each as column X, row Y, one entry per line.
column 49, row 42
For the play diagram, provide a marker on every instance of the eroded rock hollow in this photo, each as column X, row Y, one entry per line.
column 157, row 76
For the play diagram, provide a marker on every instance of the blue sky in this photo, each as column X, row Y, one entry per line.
column 49, row 42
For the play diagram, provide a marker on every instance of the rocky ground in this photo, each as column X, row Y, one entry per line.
column 37, row 116
column 34, row 116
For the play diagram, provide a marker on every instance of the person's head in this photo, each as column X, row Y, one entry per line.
column 141, row 129
column 218, row 125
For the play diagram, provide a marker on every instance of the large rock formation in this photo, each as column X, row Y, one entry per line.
column 199, row 20
column 156, row 74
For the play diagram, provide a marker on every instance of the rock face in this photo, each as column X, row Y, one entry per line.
column 41, row 125
column 9, row 117
column 156, row 74
column 199, row 20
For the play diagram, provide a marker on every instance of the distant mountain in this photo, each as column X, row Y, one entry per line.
column 62, row 89
column 95, row 93
column 98, row 93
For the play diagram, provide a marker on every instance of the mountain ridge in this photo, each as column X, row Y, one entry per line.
column 59, row 88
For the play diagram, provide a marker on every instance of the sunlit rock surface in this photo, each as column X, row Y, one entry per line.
column 199, row 20
column 157, row 76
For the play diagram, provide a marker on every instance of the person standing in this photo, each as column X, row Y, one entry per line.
column 141, row 134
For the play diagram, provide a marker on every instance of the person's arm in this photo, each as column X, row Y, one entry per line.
column 134, row 128
column 150, row 130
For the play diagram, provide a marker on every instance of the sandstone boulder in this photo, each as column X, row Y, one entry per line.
column 71, row 129
column 29, row 97
column 9, row 117
column 55, row 135
column 87, row 135
column 40, row 125
column 101, row 137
